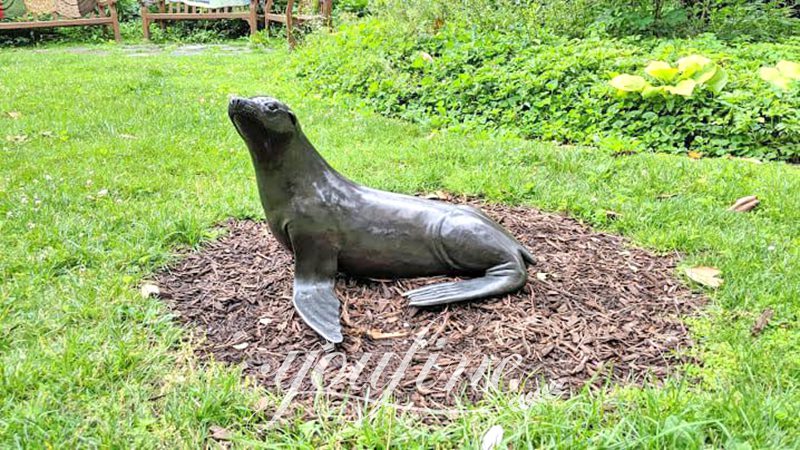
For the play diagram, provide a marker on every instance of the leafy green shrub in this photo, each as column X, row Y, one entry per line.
column 748, row 20
column 766, row 20
column 553, row 88
column 128, row 10
column 352, row 6
column 645, row 17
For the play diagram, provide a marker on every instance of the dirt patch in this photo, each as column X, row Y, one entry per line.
column 594, row 309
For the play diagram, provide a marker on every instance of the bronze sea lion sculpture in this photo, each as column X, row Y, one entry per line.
column 332, row 224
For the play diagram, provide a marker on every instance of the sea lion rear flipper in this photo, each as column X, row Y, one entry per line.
column 498, row 280
column 314, row 297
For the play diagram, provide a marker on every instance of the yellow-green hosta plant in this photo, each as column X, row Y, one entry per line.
column 782, row 76
column 690, row 74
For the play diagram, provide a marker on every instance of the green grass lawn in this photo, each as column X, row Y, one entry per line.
column 114, row 161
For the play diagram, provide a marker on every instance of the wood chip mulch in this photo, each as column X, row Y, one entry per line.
column 595, row 309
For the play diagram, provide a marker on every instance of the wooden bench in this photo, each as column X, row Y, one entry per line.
column 182, row 11
column 289, row 18
column 105, row 13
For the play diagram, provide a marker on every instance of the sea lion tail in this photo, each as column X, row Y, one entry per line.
column 527, row 256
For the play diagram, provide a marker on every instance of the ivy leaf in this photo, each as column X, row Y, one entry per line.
column 629, row 83
column 684, row 88
column 789, row 69
column 418, row 62
column 774, row 77
column 689, row 65
column 661, row 70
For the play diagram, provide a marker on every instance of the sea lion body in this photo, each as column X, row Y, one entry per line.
column 332, row 224
column 423, row 236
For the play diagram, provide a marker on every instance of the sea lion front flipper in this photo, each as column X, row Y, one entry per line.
column 500, row 279
column 314, row 298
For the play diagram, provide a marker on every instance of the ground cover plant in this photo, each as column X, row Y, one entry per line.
column 113, row 161
column 443, row 71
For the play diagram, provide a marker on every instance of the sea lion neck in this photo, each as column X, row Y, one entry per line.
column 289, row 167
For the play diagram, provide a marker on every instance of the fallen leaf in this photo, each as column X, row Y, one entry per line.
column 747, row 159
column 241, row 346
column 47, row 134
column 695, row 155
column 149, row 289
column 14, row 114
column 541, row 276
column 745, row 204
column 219, row 433
column 492, row 438
column 439, row 195
column 17, row 138
column 612, row 215
column 127, row 136
column 762, row 321
column 426, row 56
column 707, row 276
column 264, row 321
column 102, row 193
column 262, row 404
column 377, row 334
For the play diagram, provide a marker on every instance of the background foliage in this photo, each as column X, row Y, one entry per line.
column 505, row 66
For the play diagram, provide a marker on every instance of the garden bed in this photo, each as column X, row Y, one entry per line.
column 594, row 309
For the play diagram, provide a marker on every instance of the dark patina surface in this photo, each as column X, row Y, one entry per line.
column 334, row 225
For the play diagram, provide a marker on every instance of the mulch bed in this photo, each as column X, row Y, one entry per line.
column 595, row 309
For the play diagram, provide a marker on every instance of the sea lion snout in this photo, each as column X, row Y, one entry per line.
column 257, row 105
column 257, row 118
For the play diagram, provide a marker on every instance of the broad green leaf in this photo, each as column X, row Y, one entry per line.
column 789, row 69
column 718, row 82
column 683, row 88
column 706, row 74
column 688, row 65
column 652, row 91
column 629, row 83
column 774, row 77
column 661, row 70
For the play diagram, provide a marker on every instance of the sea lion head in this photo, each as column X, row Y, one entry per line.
column 262, row 121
